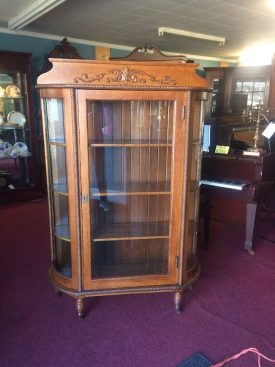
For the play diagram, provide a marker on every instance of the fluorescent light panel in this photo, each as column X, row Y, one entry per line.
column 181, row 32
column 33, row 12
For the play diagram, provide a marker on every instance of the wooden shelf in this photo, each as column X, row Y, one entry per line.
column 6, row 97
column 132, row 188
column 57, row 142
column 130, row 143
column 7, row 126
column 18, row 156
column 130, row 231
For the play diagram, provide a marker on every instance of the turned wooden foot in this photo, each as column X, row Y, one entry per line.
column 80, row 307
column 178, row 301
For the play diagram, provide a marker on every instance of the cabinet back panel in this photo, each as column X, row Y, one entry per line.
column 114, row 165
column 145, row 120
column 127, row 209
column 132, row 258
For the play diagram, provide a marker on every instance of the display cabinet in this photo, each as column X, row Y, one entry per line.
column 17, row 167
column 123, row 144
column 236, row 89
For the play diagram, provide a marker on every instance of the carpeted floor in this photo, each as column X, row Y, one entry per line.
column 230, row 308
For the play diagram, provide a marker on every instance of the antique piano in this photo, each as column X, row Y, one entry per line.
column 234, row 174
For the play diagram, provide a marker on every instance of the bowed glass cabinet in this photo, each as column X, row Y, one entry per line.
column 123, row 144
column 18, row 178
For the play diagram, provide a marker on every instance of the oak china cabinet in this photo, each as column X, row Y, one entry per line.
column 17, row 151
column 123, row 143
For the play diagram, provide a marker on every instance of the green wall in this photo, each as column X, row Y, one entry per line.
column 39, row 47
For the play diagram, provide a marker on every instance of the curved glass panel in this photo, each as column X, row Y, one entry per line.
column 58, row 184
column 62, row 257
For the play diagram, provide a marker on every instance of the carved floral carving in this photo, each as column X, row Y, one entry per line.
column 125, row 75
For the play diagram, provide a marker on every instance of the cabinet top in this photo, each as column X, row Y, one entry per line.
column 98, row 74
column 10, row 60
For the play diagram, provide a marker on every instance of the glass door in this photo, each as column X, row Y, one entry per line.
column 130, row 162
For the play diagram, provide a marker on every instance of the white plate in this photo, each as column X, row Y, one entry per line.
column 13, row 91
column 18, row 118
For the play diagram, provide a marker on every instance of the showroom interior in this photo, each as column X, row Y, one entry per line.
column 137, row 160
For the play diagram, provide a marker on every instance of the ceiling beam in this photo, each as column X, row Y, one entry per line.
column 33, row 12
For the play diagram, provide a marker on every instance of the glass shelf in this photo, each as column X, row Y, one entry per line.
column 63, row 232
column 61, row 188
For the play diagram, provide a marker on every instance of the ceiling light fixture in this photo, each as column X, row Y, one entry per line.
column 260, row 54
column 33, row 12
column 181, row 32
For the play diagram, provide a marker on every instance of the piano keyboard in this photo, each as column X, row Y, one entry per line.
column 227, row 184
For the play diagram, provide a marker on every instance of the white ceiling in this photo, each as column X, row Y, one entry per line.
column 135, row 22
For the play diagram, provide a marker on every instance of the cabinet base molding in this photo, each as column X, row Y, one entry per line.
column 80, row 295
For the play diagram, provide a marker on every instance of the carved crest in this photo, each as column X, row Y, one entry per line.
column 125, row 75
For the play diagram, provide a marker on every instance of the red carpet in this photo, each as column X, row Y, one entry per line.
column 231, row 307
